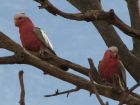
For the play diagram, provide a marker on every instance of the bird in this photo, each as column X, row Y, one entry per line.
column 33, row 38
column 111, row 66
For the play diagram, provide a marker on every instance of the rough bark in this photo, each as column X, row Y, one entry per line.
column 134, row 11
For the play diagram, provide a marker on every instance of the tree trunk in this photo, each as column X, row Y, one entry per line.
column 134, row 11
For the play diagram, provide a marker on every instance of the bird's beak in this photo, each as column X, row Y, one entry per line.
column 114, row 55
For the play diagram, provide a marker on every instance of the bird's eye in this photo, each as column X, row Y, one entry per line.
column 19, row 18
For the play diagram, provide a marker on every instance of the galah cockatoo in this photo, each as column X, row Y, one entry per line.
column 33, row 38
column 110, row 66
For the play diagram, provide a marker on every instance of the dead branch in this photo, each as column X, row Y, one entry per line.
column 57, row 61
column 64, row 92
column 18, row 58
column 9, row 44
column 127, row 92
column 22, row 95
column 91, row 15
column 27, row 58
column 8, row 60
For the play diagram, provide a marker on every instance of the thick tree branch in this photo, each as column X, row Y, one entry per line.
column 15, row 59
column 9, row 44
column 92, row 15
column 55, row 60
column 68, row 77
column 134, row 12
column 8, row 60
column 12, row 46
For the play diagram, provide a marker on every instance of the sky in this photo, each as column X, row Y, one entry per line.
column 72, row 40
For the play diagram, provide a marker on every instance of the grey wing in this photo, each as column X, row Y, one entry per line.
column 122, row 72
column 43, row 37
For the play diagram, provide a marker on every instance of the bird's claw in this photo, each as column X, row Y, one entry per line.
column 42, row 52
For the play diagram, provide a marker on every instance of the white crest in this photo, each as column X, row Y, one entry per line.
column 113, row 49
column 20, row 14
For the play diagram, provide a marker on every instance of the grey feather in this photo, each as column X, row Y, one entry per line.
column 122, row 71
column 43, row 37
column 45, row 40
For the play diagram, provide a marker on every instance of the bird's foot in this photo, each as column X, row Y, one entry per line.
column 42, row 52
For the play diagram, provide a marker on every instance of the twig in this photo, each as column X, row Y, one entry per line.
column 92, row 67
column 22, row 94
column 64, row 92
column 127, row 92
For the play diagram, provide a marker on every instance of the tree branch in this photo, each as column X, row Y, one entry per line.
column 64, row 92
column 68, row 77
column 127, row 92
column 22, row 95
column 9, row 44
column 134, row 12
column 92, row 15
column 15, row 59
column 55, row 60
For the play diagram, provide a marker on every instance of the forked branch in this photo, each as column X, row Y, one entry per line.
column 127, row 92
column 91, row 15
column 27, row 58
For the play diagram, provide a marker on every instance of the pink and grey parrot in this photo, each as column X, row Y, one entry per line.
column 32, row 38
column 110, row 66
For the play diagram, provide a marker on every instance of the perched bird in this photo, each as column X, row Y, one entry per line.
column 33, row 38
column 110, row 66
